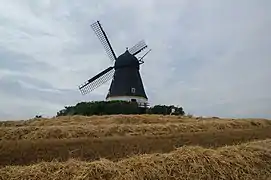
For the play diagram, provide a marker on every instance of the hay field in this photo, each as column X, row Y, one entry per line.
column 246, row 161
column 120, row 125
column 135, row 147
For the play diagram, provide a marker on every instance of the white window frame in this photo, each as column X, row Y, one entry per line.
column 133, row 90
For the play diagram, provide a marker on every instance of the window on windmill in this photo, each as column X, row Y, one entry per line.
column 133, row 90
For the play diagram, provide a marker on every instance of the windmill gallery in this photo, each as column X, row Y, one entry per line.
column 126, row 84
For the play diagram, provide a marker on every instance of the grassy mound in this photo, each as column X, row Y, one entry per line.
column 119, row 125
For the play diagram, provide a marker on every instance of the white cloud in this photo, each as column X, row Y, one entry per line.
column 211, row 57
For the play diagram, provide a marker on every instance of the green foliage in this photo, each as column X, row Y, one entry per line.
column 116, row 107
column 163, row 109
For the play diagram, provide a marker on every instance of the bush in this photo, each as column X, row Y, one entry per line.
column 116, row 107
column 163, row 109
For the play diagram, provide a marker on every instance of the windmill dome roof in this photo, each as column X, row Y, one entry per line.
column 126, row 59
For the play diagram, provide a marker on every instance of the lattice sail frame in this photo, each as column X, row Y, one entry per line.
column 97, row 28
column 97, row 80
column 138, row 47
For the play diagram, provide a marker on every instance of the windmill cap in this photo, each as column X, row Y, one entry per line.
column 126, row 59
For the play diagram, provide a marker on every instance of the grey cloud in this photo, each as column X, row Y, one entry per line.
column 38, row 90
column 211, row 57
column 20, row 62
column 22, row 101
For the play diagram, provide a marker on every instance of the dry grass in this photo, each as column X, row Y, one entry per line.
column 75, row 144
column 120, row 119
column 120, row 125
column 246, row 161
column 32, row 151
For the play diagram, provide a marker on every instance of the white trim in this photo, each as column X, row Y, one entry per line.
column 139, row 100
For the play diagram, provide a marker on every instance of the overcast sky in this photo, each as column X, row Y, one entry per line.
column 212, row 57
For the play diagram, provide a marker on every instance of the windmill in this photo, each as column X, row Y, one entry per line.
column 126, row 81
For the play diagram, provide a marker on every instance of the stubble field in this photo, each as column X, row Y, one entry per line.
column 135, row 147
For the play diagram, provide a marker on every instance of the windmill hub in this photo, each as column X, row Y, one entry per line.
column 127, row 83
column 126, row 60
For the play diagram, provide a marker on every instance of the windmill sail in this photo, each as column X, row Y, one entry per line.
column 127, row 83
column 97, row 80
column 138, row 47
column 140, row 60
column 97, row 28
